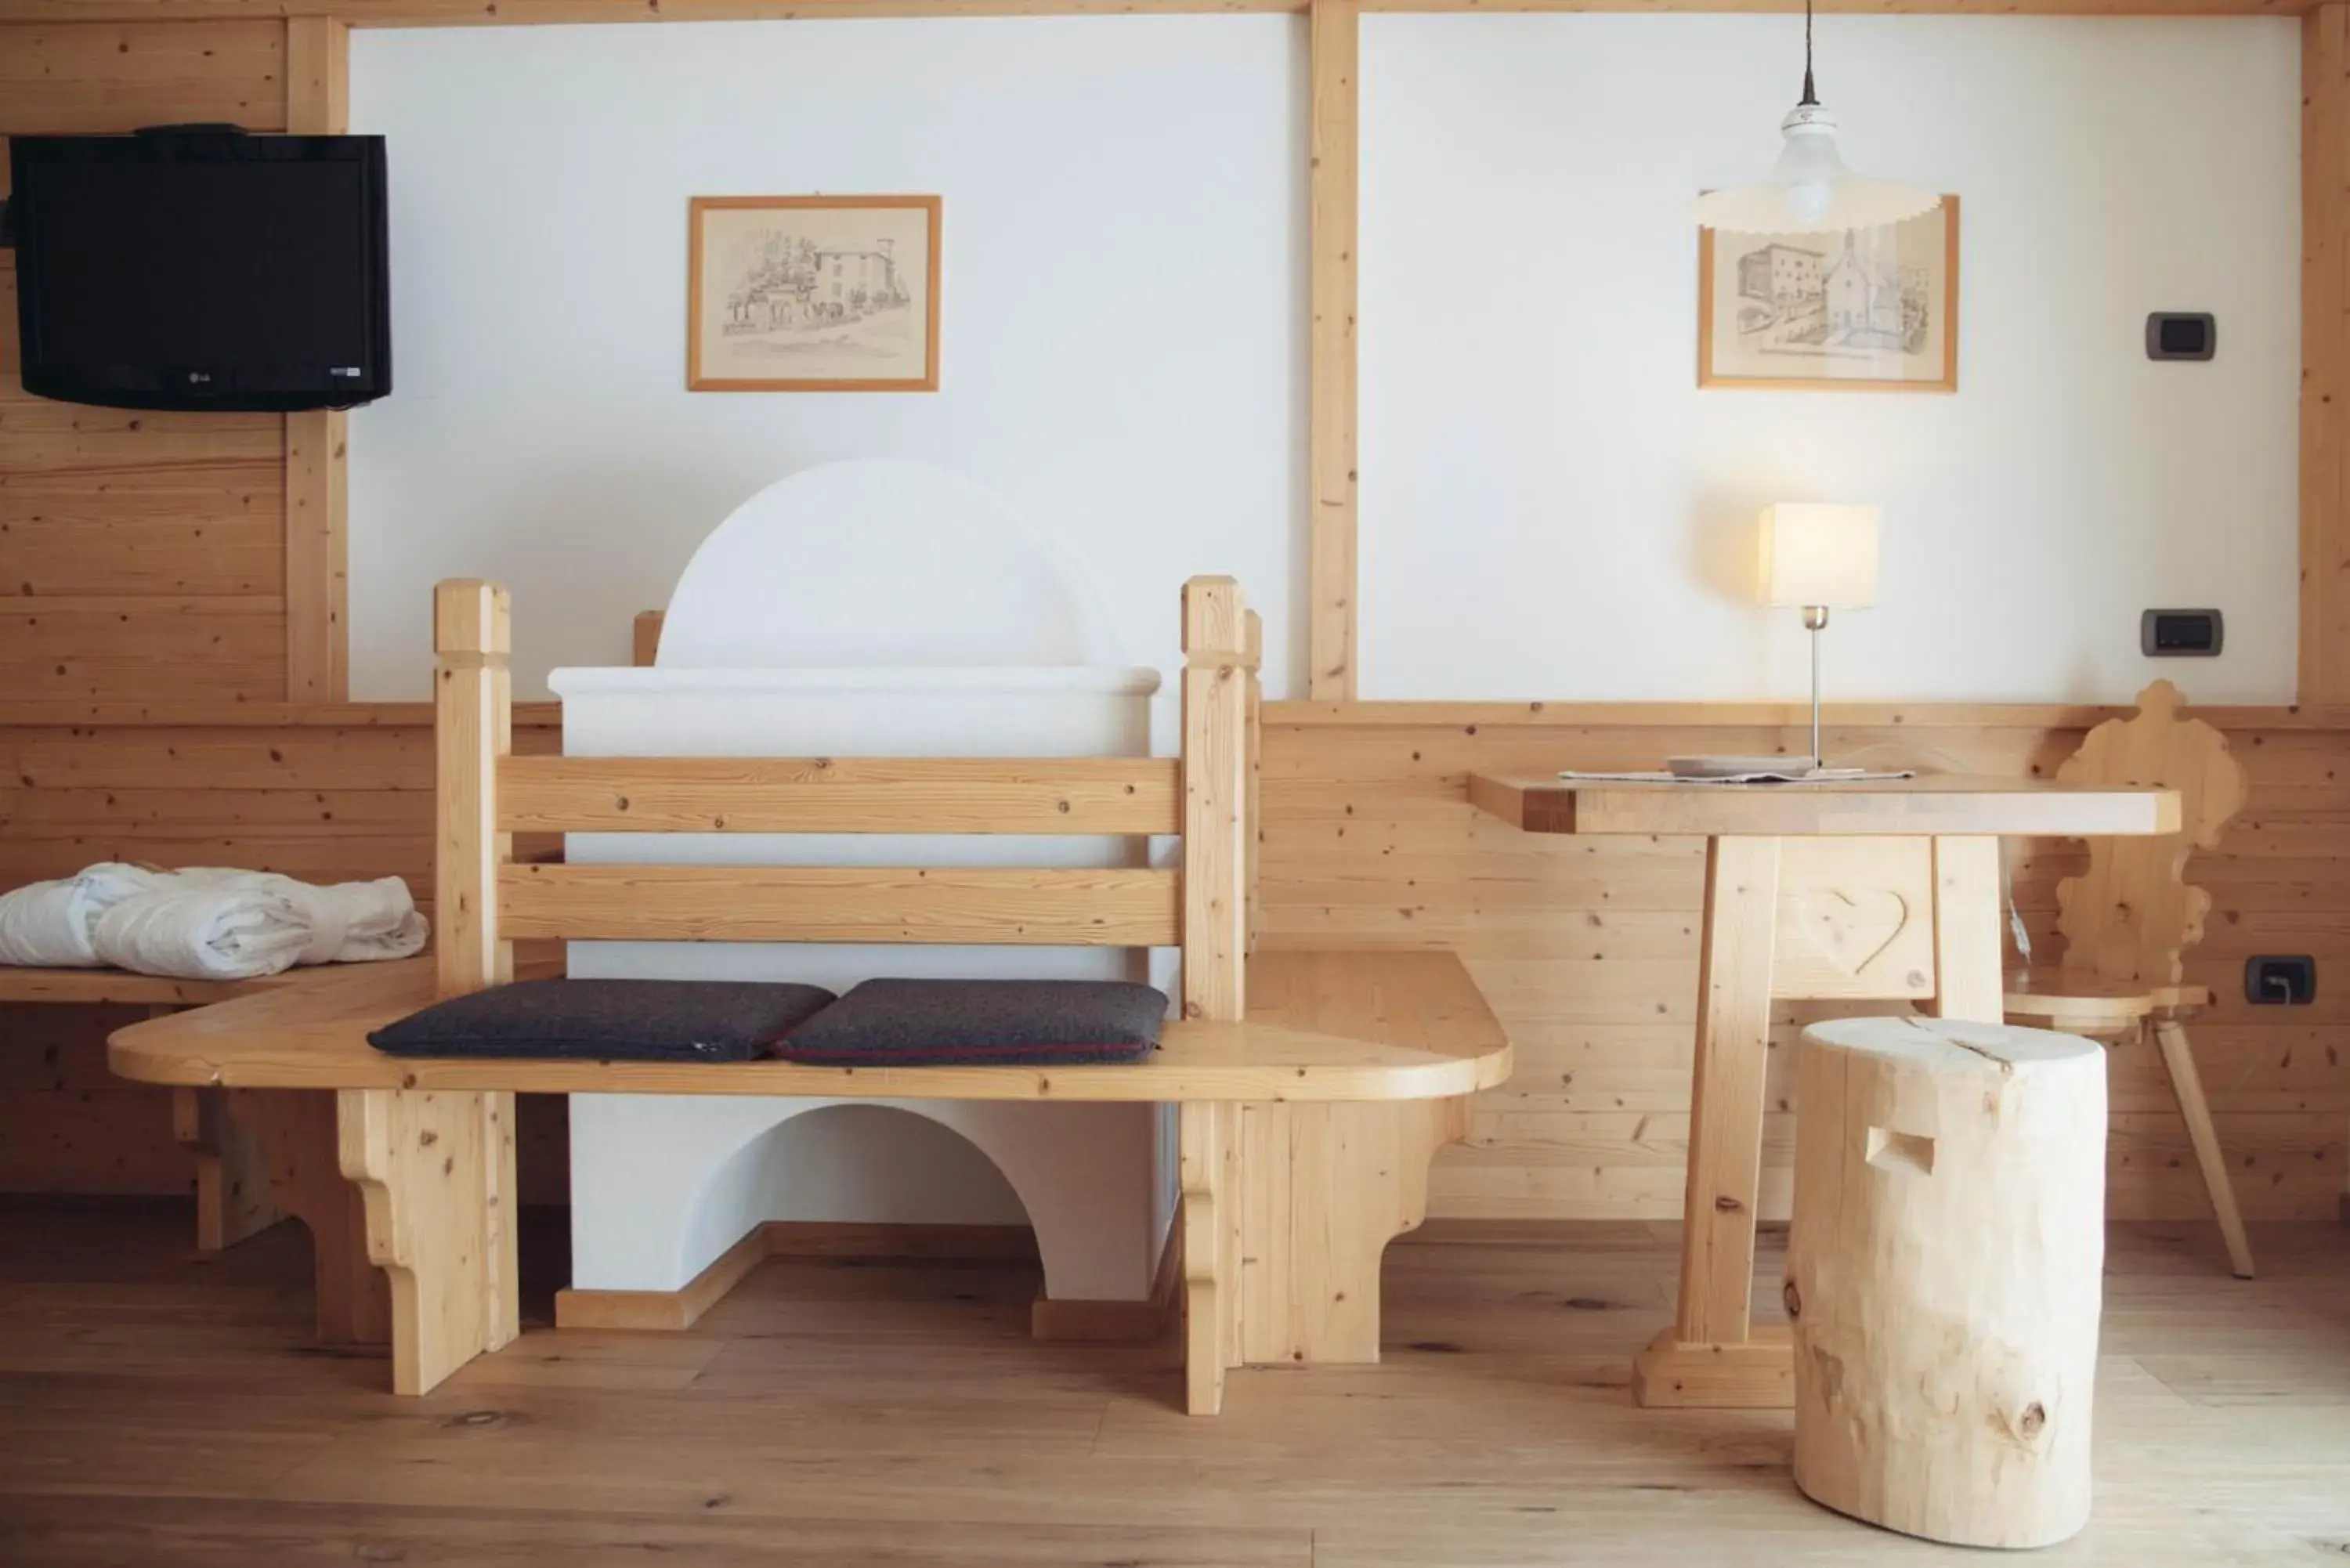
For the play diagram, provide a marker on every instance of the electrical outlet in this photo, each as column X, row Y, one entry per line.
column 2181, row 633
column 2181, row 335
column 2279, row 981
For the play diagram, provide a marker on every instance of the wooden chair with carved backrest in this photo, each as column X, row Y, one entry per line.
column 2129, row 917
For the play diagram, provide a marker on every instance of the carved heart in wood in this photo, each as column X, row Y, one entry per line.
column 1852, row 927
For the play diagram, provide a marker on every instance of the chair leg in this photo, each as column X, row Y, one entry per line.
column 2188, row 1084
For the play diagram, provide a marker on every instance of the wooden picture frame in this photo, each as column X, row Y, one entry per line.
column 1791, row 286
column 812, row 293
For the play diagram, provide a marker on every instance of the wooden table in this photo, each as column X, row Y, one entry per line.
column 1887, row 890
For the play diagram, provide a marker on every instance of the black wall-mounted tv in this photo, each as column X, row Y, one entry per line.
column 202, row 267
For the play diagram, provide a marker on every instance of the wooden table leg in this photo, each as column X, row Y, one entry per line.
column 296, row 1129
column 436, row 1170
column 1969, row 944
column 1711, row 1357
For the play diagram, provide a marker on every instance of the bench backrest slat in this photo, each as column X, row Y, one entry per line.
column 1134, row 795
column 1216, row 669
column 980, row 905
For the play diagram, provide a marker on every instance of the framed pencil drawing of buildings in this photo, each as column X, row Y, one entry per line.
column 813, row 294
column 1863, row 310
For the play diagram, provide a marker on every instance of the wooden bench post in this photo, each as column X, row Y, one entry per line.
column 1216, row 829
column 436, row 1168
column 473, row 732
column 1287, row 1208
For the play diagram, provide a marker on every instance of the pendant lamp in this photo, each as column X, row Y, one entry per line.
column 1810, row 191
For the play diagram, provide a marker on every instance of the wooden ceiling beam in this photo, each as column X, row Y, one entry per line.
column 493, row 13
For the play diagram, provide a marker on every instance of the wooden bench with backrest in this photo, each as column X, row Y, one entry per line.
column 1312, row 1088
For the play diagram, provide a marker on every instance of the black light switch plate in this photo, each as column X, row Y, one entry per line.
column 2181, row 633
column 2281, row 982
column 2181, row 335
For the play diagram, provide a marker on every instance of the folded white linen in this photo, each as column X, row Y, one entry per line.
column 52, row 925
column 198, row 933
column 216, row 923
column 205, row 922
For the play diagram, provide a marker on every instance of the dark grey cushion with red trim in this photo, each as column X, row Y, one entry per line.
column 977, row 1022
column 610, row 1020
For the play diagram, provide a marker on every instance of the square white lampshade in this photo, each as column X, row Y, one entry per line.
column 1819, row 555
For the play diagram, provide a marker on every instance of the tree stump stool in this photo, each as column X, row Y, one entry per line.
column 1943, row 1276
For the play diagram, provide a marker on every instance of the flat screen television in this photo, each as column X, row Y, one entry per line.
column 201, row 268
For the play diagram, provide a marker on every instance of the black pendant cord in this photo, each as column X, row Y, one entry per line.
column 1811, row 96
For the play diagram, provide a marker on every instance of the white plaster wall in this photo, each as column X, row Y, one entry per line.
column 1123, row 332
column 1550, row 507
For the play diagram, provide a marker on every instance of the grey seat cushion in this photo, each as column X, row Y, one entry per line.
column 1010, row 1022
column 609, row 1020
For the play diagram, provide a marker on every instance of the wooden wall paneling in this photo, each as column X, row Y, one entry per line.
column 137, row 646
column 1587, row 948
column 2324, row 660
column 142, row 555
column 1334, row 192
column 185, row 528
column 318, row 568
column 68, row 1126
column 326, row 795
column 120, row 75
column 317, row 557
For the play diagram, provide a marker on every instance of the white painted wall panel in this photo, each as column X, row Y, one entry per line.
column 1551, row 509
column 1123, row 333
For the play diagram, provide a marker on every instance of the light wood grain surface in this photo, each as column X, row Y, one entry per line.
column 88, row 986
column 157, row 1411
column 841, row 795
column 145, row 552
column 1101, row 906
column 1333, row 200
column 1587, row 945
column 1385, row 1026
column 1929, row 804
column 460, row 13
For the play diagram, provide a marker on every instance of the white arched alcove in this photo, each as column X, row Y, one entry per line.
column 865, row 609
column 1072, row 1177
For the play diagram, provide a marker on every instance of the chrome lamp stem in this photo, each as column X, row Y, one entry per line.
column 1815, row 621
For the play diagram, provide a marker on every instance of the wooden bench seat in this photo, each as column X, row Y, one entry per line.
column 122, row 988
column 1312, row 1089
column 1321, row 1026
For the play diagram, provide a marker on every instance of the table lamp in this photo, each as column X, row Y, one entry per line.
column 1818, row 559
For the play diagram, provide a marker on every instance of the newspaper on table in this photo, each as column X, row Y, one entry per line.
column 1771, row 775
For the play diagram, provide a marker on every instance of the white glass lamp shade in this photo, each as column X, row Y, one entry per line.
column 1810, row 191
column 1816, row 554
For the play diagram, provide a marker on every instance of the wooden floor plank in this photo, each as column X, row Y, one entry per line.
column 157, row 1408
